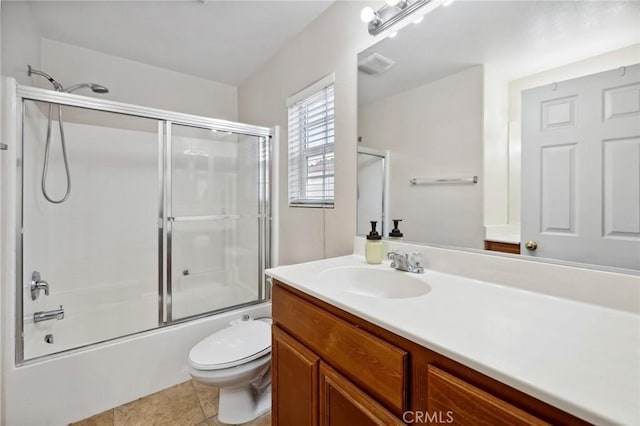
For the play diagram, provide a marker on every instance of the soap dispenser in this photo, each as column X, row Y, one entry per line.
column 395, row 232
column 373, row 249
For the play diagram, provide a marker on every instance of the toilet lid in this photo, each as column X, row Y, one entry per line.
column 232, row 346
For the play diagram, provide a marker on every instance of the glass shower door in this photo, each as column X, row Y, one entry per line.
column 216, row 222
column 95, row 254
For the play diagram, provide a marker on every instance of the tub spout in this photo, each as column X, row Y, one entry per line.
column 49, row 315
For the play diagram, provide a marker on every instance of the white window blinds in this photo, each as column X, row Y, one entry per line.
column 311, row 145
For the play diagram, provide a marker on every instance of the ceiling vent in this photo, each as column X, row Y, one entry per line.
column 375, row 64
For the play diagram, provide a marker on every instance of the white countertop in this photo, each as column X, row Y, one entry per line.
column 579, row 357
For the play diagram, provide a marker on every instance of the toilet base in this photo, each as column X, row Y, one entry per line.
column 240, row 405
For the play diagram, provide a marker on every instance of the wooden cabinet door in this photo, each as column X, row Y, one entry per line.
column 342, row 403
column 465, row 404
column 294, row 383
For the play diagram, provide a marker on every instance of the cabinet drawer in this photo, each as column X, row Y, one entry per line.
column 470, row 405
column 373, row 364
column 342, row 403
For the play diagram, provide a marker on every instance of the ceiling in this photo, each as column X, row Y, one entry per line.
column 516, row 38
column 223, row 41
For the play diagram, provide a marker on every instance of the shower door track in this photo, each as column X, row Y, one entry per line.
column 165, row 219
column 68, row 99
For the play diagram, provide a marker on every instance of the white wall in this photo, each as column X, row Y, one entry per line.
column 129, row 81
column 329, row 44
column 435, row 131
column 496, row 153
column 138, row 83
column 20, row 41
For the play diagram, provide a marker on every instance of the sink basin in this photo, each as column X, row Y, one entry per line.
column 373, row 282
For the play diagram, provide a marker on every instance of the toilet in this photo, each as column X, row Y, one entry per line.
column 237, row 360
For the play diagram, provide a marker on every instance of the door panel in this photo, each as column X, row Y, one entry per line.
column 216, row 224
column 558, row 188
column 621, row 191
column 452, row 400
column 97, row 251
column 581, row 180
column 342, row 403
column 295, row 382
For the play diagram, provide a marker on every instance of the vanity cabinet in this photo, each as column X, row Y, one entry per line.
column 502, row 247
column 331, row 367
column 296, row 383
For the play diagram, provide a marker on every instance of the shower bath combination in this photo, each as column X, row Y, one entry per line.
column 155, row 192
column 96, row 88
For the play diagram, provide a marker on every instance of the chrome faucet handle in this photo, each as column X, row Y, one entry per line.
column 394, row 253
column 37, row 284
column 396, row 257
column 415, row 261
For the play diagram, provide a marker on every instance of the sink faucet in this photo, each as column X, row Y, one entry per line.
column 406, row 262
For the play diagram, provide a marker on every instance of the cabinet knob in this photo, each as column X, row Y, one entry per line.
column 531, row 245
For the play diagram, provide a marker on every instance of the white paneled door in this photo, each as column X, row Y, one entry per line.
column 581, row 174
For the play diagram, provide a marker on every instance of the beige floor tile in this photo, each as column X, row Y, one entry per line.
column 176, row 406
column 214, row 422
column 102, row 419
column 261, row 421
column 208, row 397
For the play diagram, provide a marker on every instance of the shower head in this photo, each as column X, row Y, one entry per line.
column 96, row 88
column 57, row 86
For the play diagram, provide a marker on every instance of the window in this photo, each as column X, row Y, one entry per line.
column 311, row 145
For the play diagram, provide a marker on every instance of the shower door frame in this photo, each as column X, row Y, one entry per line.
column 166, row 119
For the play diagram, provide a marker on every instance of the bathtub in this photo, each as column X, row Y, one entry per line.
column 119, row 309
column 80, row 383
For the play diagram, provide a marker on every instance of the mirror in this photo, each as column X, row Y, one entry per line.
column 372, row 190
column 457, row 98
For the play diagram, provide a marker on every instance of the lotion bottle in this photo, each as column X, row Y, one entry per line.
column 373, row 249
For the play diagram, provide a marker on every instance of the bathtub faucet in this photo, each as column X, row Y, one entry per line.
column 49, row 315
column 406, row 262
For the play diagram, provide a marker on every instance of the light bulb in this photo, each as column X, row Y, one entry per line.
column 447, row 2
column 420, row 19
column 392, row 3
column 367, row 15
column 393, row 34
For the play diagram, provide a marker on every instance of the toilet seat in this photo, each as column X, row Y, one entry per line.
column 232, row 346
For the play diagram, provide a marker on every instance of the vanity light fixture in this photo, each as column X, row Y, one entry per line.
column 393, row 11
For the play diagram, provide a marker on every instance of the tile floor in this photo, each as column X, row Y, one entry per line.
column 187, row 404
